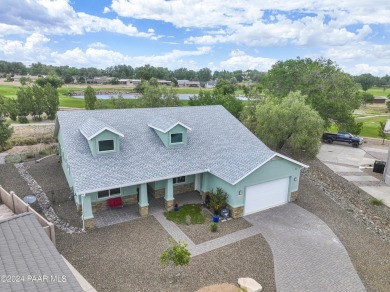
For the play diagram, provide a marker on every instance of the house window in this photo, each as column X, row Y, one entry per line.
column 106, row 145
column 176, row 138
column 109, row 193
column 178, row 180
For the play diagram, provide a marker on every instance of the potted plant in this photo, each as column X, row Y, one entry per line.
column 216, row 216
column 218, row 201
column 176, row 208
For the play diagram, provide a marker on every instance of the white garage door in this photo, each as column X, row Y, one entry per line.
column 266, row 195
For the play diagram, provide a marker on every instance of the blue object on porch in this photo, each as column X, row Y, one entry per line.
column 215, row 218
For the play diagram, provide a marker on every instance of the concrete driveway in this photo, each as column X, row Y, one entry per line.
column 307, row 255
column 349, row 163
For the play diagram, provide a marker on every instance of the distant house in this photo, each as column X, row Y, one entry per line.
column 137, row 155
column 187, row 83
column 380, row 99
column 124, row 81
column 210, row 84
column 100, row 80
column 164, row 82
column 386, row 173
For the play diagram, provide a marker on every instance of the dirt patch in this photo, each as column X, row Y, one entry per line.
column 33, row 130
column 200, row 233
column 225, row 287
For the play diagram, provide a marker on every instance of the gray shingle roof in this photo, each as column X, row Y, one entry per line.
column 92, row 127
column 218, row 143
column 164, row 123
column 25, row 250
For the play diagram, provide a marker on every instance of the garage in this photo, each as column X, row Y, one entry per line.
column 266, row 195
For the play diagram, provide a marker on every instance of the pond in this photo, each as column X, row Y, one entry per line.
column 182, row 96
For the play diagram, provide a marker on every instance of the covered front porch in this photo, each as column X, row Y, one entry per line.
column 138, row 200
column 130, row 212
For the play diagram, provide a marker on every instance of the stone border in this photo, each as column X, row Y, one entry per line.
column 44, row 202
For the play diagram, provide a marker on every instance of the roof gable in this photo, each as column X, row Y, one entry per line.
column 164, row 124
column 93, row 127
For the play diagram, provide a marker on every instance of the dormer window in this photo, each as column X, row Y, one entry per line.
column 176, row 138
column 106, row 145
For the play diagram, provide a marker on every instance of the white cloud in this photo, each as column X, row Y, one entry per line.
column 239, row 60
column 97, row 45
column 58, row 18
column 106, row 10
column 103, row 58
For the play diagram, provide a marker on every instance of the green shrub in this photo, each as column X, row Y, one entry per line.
column 218, row 199
column 377, row 202
column 22, row 119
column 213, row 227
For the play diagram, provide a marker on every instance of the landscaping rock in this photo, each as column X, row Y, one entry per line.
column 44, row 202
column 249, row 285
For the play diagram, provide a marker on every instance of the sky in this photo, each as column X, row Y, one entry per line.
column 220, row 35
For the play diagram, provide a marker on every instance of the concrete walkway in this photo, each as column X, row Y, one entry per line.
column 307, row 255
column 348, row 162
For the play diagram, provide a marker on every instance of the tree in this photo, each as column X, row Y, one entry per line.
column 381, row 131
column 25, row 103
column 38, row 102
column 331, row 92
column 289, row 122
column 204, row 75
column 367, row 97
column 366, row 81
column 90, row 98
column 52, row 80
column 5, row 133
column 155, row 96
column 176, row 255
column 228, row 101
column 24, row 80
column 52, row 101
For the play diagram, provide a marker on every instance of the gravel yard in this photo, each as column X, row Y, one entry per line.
column 125, row 257
column 200, row 233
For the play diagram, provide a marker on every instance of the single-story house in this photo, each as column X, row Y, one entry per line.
column 161, row 152
column 187, row 83
column 386, row 172
column 210, row 84
column 380, row 99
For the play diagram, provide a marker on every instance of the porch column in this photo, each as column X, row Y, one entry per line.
column 143, row 201
column 169, row 199
column 198, row 179
column 87, row 214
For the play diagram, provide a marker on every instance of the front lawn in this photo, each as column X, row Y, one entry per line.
column 179, row 217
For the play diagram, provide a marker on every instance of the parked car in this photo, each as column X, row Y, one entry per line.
column 342, row 137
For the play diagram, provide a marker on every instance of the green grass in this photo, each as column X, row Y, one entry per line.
column 376, row 202
column 371, row 125
column 9, row 90
column 179, row 217
column 377, row 91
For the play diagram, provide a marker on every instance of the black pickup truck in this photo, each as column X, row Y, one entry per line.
column 342, row 137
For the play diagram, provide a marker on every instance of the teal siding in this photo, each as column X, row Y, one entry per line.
column 105, row 135
column 272, row 170
column 158, row 185
column 64, row 161
column 165, row 137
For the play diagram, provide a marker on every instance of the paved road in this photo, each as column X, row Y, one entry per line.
column 348, row 162
column 308, row 256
